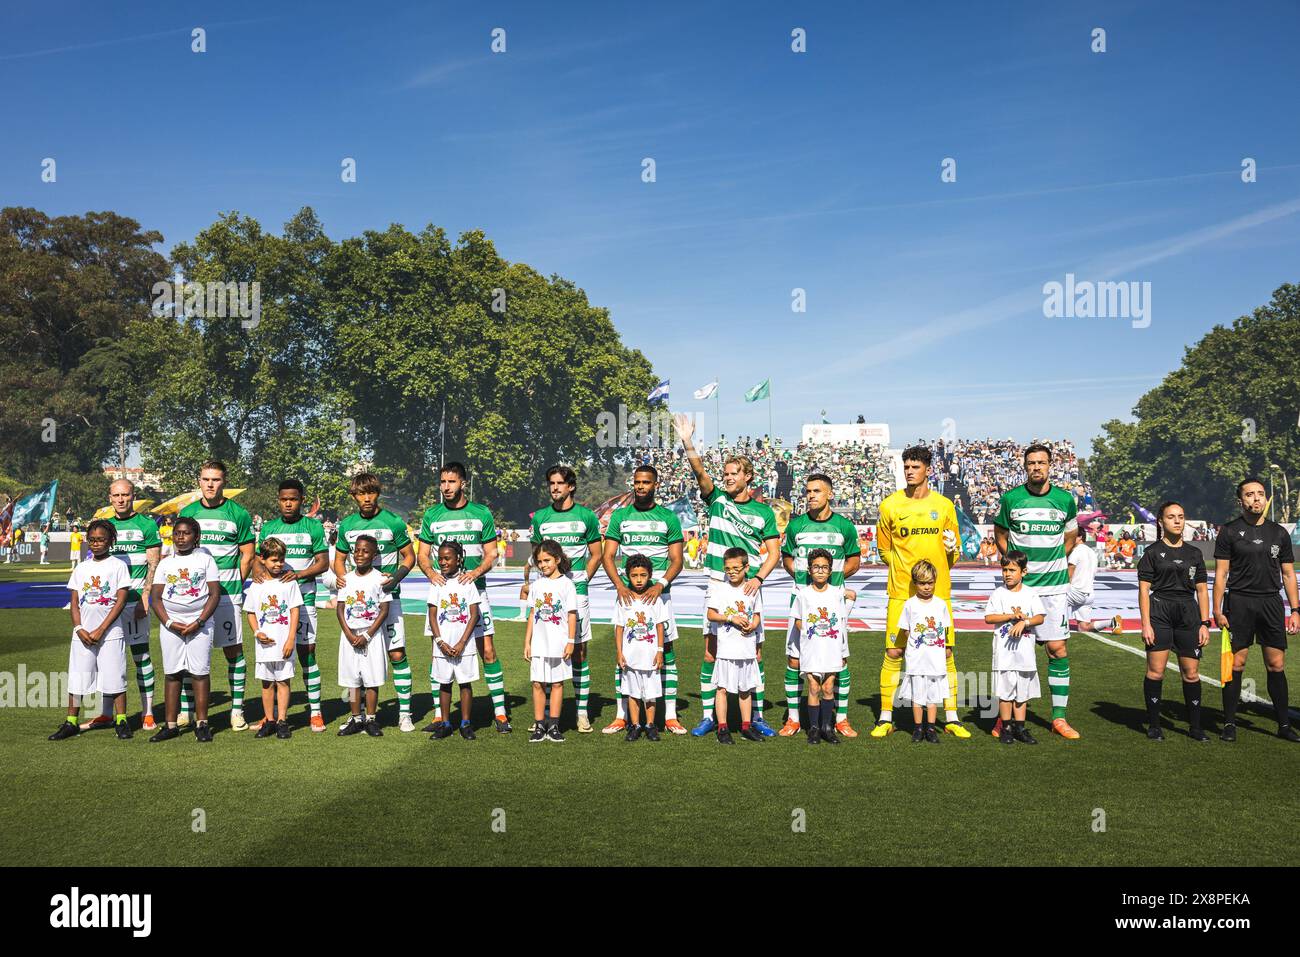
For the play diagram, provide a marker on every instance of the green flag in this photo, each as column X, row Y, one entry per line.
column 759, row 391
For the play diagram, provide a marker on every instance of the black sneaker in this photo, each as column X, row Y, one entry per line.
column 651, row 733
column 538, row 735
column 1154, row 733
column 918, row 735
column 751, row 734
column 829, row 735
column 67, row 729
column 931, row 735
column 283, row 731
column 633, row 732
column 1286, row 733
column 1196, row 734
column 1023, row 736
column 372, row 728
column 354, row 726
column 203, row 732
column 1229, row 733
column 266, row 730
column 165, row 734
column 553, row 733
column 123, row 730
column 503, row 725
column 431, row 727
column 814, row 734
column 1006, row 736
column 443, row 730
column 467, row 732
column 724, row 736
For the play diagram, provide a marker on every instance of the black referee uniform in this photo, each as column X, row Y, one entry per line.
column 1173, row 572
column 1253, row 603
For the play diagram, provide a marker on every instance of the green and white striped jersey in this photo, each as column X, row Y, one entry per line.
column 303, row 541
column 135, row 536
column 472, row 525
column 646, row 532
column 737, row 524
column 386, row 529
column 223, row 530
column 837, row 535
column 1037, row 524
column 575, row 528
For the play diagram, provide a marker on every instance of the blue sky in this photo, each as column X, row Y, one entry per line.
column 775, row 170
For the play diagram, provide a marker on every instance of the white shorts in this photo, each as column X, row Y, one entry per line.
column 192, row 655
column 394, row 630
column 791, row 640
column 922, row 689
column 364, row 668
column 670, row 622
column 1015, row 685
column 583, row 633
column 306, row 633
column 227, row 623
column 822, row 657
column 1056, row 623
column 642, row 685
column 462, row 670
column 101, row 668
column 730, row 674
column 550, row 670
column 135, row 629
column 281, row 670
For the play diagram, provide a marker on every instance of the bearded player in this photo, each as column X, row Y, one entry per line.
column 916, row 523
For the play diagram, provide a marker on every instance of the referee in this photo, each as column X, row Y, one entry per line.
column 1253, row 558
column 1175, row 605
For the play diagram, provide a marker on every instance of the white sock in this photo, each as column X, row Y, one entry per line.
column 950, row 717
column 622, row 707
column 886, row 715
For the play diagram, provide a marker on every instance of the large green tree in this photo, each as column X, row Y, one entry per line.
column 1229, row 411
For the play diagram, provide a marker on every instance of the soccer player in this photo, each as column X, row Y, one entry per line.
column 471, row 524
column 577, row 530
column 1253, row 560
column 818, row 527
column 138, row 545
column 736, row 520
column 1083, row 571
column 916, row 523
column 395, row 560
column 1039, row 519
column 97, row 660
column 306, row 558
column 1175, row 604
column 227, row 535
column 649, row 529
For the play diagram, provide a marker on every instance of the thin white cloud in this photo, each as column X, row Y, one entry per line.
column 117, row 41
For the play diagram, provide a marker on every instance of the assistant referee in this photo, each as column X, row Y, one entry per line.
column 1253, row 560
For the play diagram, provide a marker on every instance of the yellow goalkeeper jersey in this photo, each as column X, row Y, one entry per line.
column 912, row 529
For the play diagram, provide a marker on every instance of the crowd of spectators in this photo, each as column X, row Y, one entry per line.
column 975, row 472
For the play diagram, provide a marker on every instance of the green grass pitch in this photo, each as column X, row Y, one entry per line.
column 402, row 799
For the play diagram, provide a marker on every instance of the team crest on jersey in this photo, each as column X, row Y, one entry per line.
column 94, row 593
column 547, row 609
column 1272, row 551
column 184, row 583
column 362, row 606
column 934, row 516
column 1191, row 574
column 637, row 628
column 273, row 611
column 821, row 624
column 453, row 609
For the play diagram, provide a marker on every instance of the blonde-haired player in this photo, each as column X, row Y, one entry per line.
column 916, row 523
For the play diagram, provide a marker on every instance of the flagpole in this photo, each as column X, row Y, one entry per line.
column 717, row 411
column 771, row 433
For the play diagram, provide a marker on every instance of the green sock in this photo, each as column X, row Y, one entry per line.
column 758, row 693
column 1058, row 680
column 119, row 718
column 670, row 685
column 791, row 694
column 311, row 677
column 144, row 676
column 236, row 670
column 708, row 690
column 402, row 682
column 187, row 695
column 496, row 682
column 72, row 718
column 581, row 684
column 842, row 684
column 437, row 696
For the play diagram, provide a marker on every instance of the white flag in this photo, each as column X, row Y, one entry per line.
column 707, row 391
